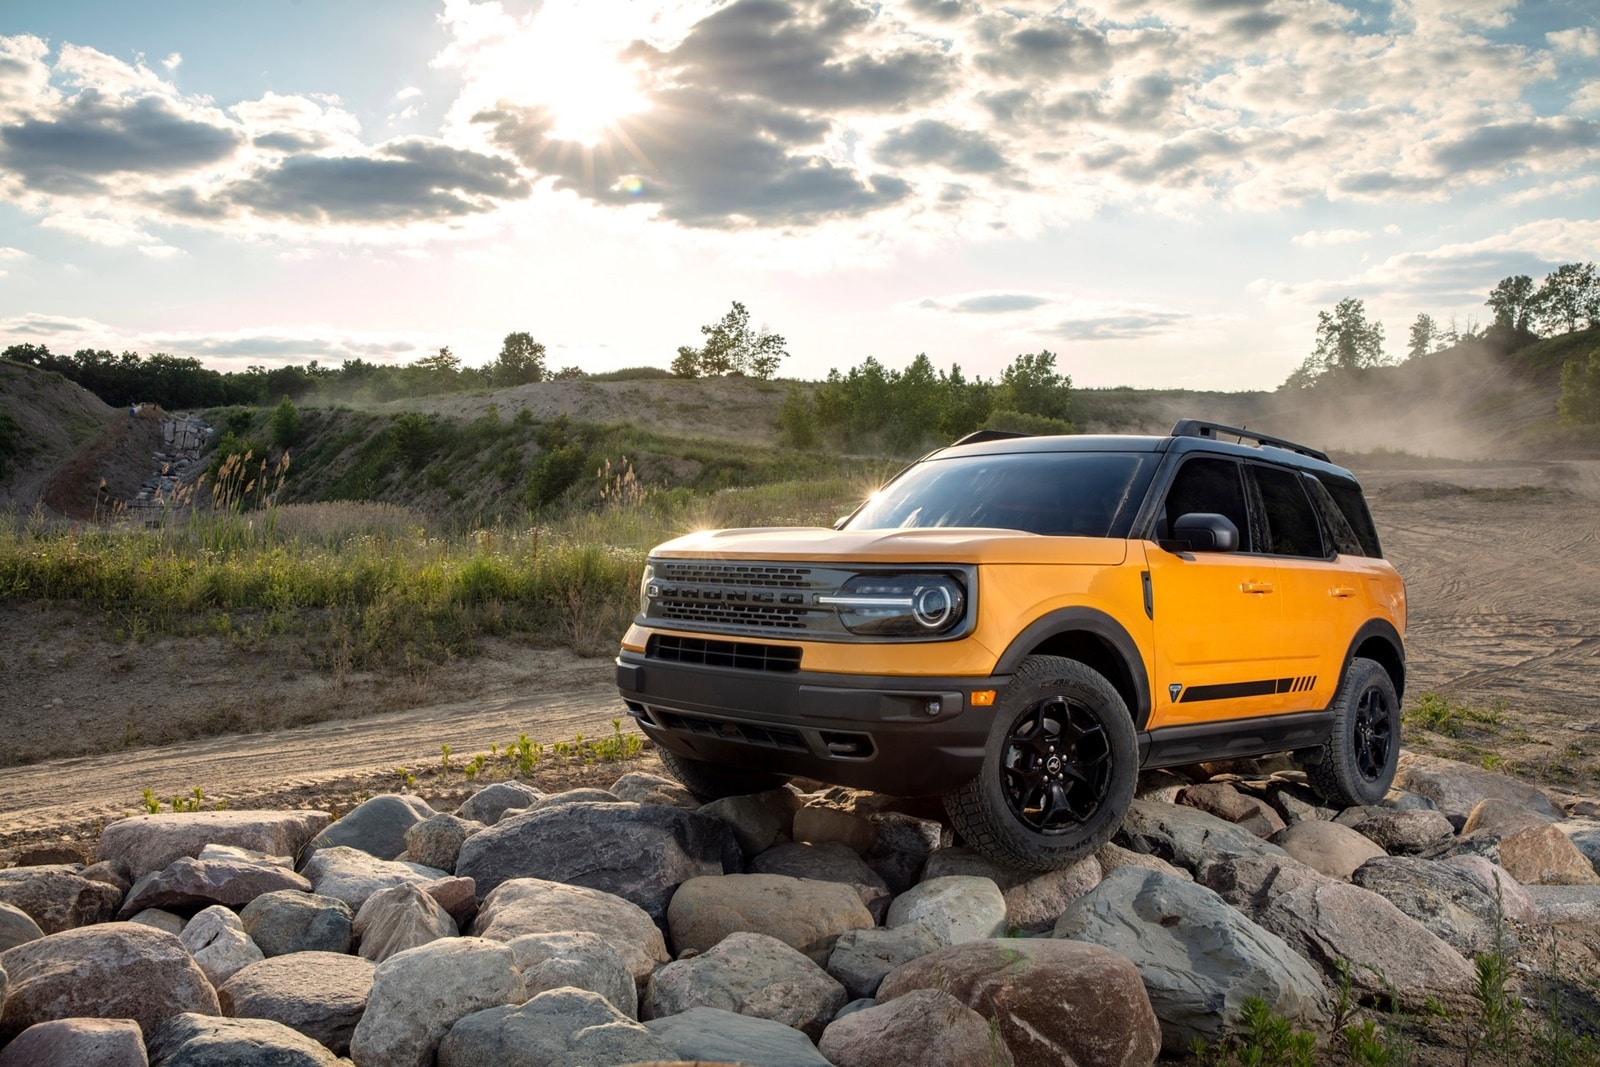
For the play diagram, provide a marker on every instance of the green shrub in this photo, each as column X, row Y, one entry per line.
column 285, row 424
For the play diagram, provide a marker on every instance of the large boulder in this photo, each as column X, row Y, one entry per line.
column 1457, row 788
column 1111, row 856
column 921, row 1027
column 758, row 819
column 216, row 939
column 803, row 914
column 1226, row 802
column 642, row 787
column 829, row 862
column 492, row 801
column 1399, row 832
column 376, row 826
column 904, row 843
column 1054, row 1001
column 557, row 1028
column 1033, row 900
column 319, row 994
column 436, row 841
column 187, row 884
column 953, row 909
column 1534, row 852
column 401, row 917
column 531, row 906
column 821, row 823
column 57, row 897
column 1199, row 958
column 752, row 974
column 419, row 994
column 77, row 1043
column 145, row 843
column 291, row 921
column 715, row 1036
column 861, row 958
column 640, row 852
column 202, row 1041
column 1515, row 903
column 110, row 971
column 16, row 927
column 351, row 875
column 580, row 959
column 1187, row 837
column 1451, row 903
column 1328, row 847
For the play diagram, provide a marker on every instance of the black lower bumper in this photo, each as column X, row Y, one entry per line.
column 903, row 736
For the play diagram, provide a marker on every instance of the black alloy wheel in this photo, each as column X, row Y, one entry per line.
column 1056, row 765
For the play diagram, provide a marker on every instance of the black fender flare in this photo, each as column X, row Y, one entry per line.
column 1099, row 624
column 1383, row 630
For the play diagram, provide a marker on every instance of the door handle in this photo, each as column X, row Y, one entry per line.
column 1255, row 588
column 1340, row 592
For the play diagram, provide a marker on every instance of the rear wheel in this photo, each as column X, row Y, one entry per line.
column 1358, row 762
column 713, row 781
column 1058, row 771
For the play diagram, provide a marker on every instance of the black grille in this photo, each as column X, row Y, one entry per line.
column 741, row 574
column 763, row 615
column 745, row 655
column 749, row 733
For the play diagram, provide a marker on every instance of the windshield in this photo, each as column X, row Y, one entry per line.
column 1081, row 494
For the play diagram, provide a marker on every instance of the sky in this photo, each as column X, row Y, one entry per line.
column 1163, row 194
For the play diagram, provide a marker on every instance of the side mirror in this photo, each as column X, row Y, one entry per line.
column 1206, row 532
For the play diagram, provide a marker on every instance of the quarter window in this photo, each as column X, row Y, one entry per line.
column 1334, row 524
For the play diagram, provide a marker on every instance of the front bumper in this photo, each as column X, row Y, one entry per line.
column 906, row 736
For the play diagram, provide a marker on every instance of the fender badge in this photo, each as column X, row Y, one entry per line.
column 1173, row 690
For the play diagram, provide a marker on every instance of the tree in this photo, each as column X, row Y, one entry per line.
column 285, row 424
column 521, row 361
column 1568, row 300
column 444, row 361
column 1032, row 386
column 796, row 428
column 1513, row 301
column 1423, row 334
column 732, row 347
column 1580, row 390
column 1346, row 343
column 687, row 365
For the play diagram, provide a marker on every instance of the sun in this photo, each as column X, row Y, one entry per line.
column 572, row 65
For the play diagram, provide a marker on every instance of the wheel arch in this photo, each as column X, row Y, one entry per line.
column 1378, row 640
column 1094, row 639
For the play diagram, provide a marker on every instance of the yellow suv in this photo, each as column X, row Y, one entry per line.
column 1020, row 624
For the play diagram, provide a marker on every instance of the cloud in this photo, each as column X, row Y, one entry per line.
column 12, row 253
column 1325, row 238
column 930, row 141
column 410, row 92
column 990, row 303
column 1130, row 325
column 1533, row 143
column 172, row 62
column 229, row 350
column 100, row 230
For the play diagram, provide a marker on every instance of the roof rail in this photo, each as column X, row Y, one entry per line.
column 1200, row 428
column 977, row 437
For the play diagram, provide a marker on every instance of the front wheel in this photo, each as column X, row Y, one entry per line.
column 1358, row 763
column 1058, row 770
column 713, row 781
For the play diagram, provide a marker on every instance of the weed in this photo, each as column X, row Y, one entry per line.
column 1447, row 716
column 444, row 759
column 407, row 779
column 1264, row 1039
column 151, row 804
column 474, row 766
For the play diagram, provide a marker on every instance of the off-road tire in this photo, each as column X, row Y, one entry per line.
column 1049, row 795
column 713, row 781
column 1358, row 762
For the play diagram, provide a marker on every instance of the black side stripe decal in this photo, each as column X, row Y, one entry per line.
column 1236, row 690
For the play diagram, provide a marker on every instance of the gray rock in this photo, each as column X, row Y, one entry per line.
column 244, row 855
column 291, row 921
column 1457, row 788
column 1533, row 851
column 58, row 898
column 861, row 958
column 1452, row 904
column 1034, row 901
column 1225, row 802
column 638, row 787
column 530, row 906
column 1515, row 902
column 420, row 993
column 145, row 843
column 319, row 994
column 557, row 1028
column 640, row 852
column 1405, row 800
column 202, row 1041
column 376, row 826
column 401, row 917
column 752, row 974
column 436, row 841
column 953, row 909
column 457, row 896
column 161, row 920
column 583, row 795
column 77, row 1043
column 803, row 914
column 16, row 927
column 1585, row 834
column 579, row 959
column 188, row 884
column 1199, row 958
column 351, row 875
column 1187, row 837
column 904, row 843
column 1399, row 832
column 111, row 872
column 1334, row 850
column 715, row 1035
column 820, row 823
column 110, row 971
column 1558, row 905
column 1296, row 802
column 1111, row 856
column 829, row 862
column 858, row 1004
column 216, row 939
column 1250, row 883
column 924, row 1026
column 758, row 819
column 492, row 801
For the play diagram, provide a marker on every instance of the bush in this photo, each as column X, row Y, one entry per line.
column 797, row 426
column 285, row 424
column 11, row 444
column 553, row 473
column 415, row 438
column 1022, row 422
column 1580, row 390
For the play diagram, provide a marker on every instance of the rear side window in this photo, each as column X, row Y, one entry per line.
column 1334, row 524
column 1291, row 523
column 1353, row 506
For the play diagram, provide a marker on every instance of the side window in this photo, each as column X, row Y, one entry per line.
column 1291, row 524
column 1334, row 524
column 1354, row 508
column 1206, row 484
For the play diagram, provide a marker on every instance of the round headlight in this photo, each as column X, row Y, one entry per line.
column 934, row 605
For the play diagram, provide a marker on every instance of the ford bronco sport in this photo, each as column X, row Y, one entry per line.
column 1019, row 624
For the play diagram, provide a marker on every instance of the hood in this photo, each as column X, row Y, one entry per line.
column 934, row 545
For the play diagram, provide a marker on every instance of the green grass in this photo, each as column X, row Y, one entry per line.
column 1444, row 715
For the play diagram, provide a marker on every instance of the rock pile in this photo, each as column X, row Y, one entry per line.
column 784, row 929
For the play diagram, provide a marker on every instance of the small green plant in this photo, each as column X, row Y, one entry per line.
column 1447, row 716
column 527, row 754
column 151, row 804
column 1498, row 1006
column 407, row 779
column 474, row 766
column 444, row 758
column 1264, row 1039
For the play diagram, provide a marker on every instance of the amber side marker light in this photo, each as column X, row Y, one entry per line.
column 983, row 698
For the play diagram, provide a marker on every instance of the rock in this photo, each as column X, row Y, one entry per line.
column 828, row 862
column 1055, row 1001
column 319, row 994
column 1200, row 959
column 1405, row 800
column 904, row 843
column 1563, row 904
column 216, row 939
column 1400, row 832
column 1033, row 901
column 1187, row 837
column 291, row 921
column 637, row 787
column 752, row 974
column 1457, row 788
column 1296, row 802
column 376, row 826
column 713, row 1036
column 924, row 1026
column 1585, row 834
column 110, row 872
column 191, row 1040
column 188, row 884
column 492, row 801
column 110, row 971
column 1515, row 903
column 145, row 843
column 1251, row 883
column 640, row 852
column 1334, row 850
column 580, row 959
column 351, row 875
column 557, row 1028
column 531, row 906
column 1452, row 904
column 953, row 909
column 58, row 898
column 1226, row 802
column 1499, row 815
column 49, row 856
column 419, row 994
column 457, row 896
column 16, row 927
column 244, row 855
column 585, row 795
column 436, row 841
column 818, row 824
column 1534, row 853
column 77, row 1043
column 805, row 915
column 861, row 958
column 161, row 920
column 1111, row 856
column 757, row 819
column 395, row 919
